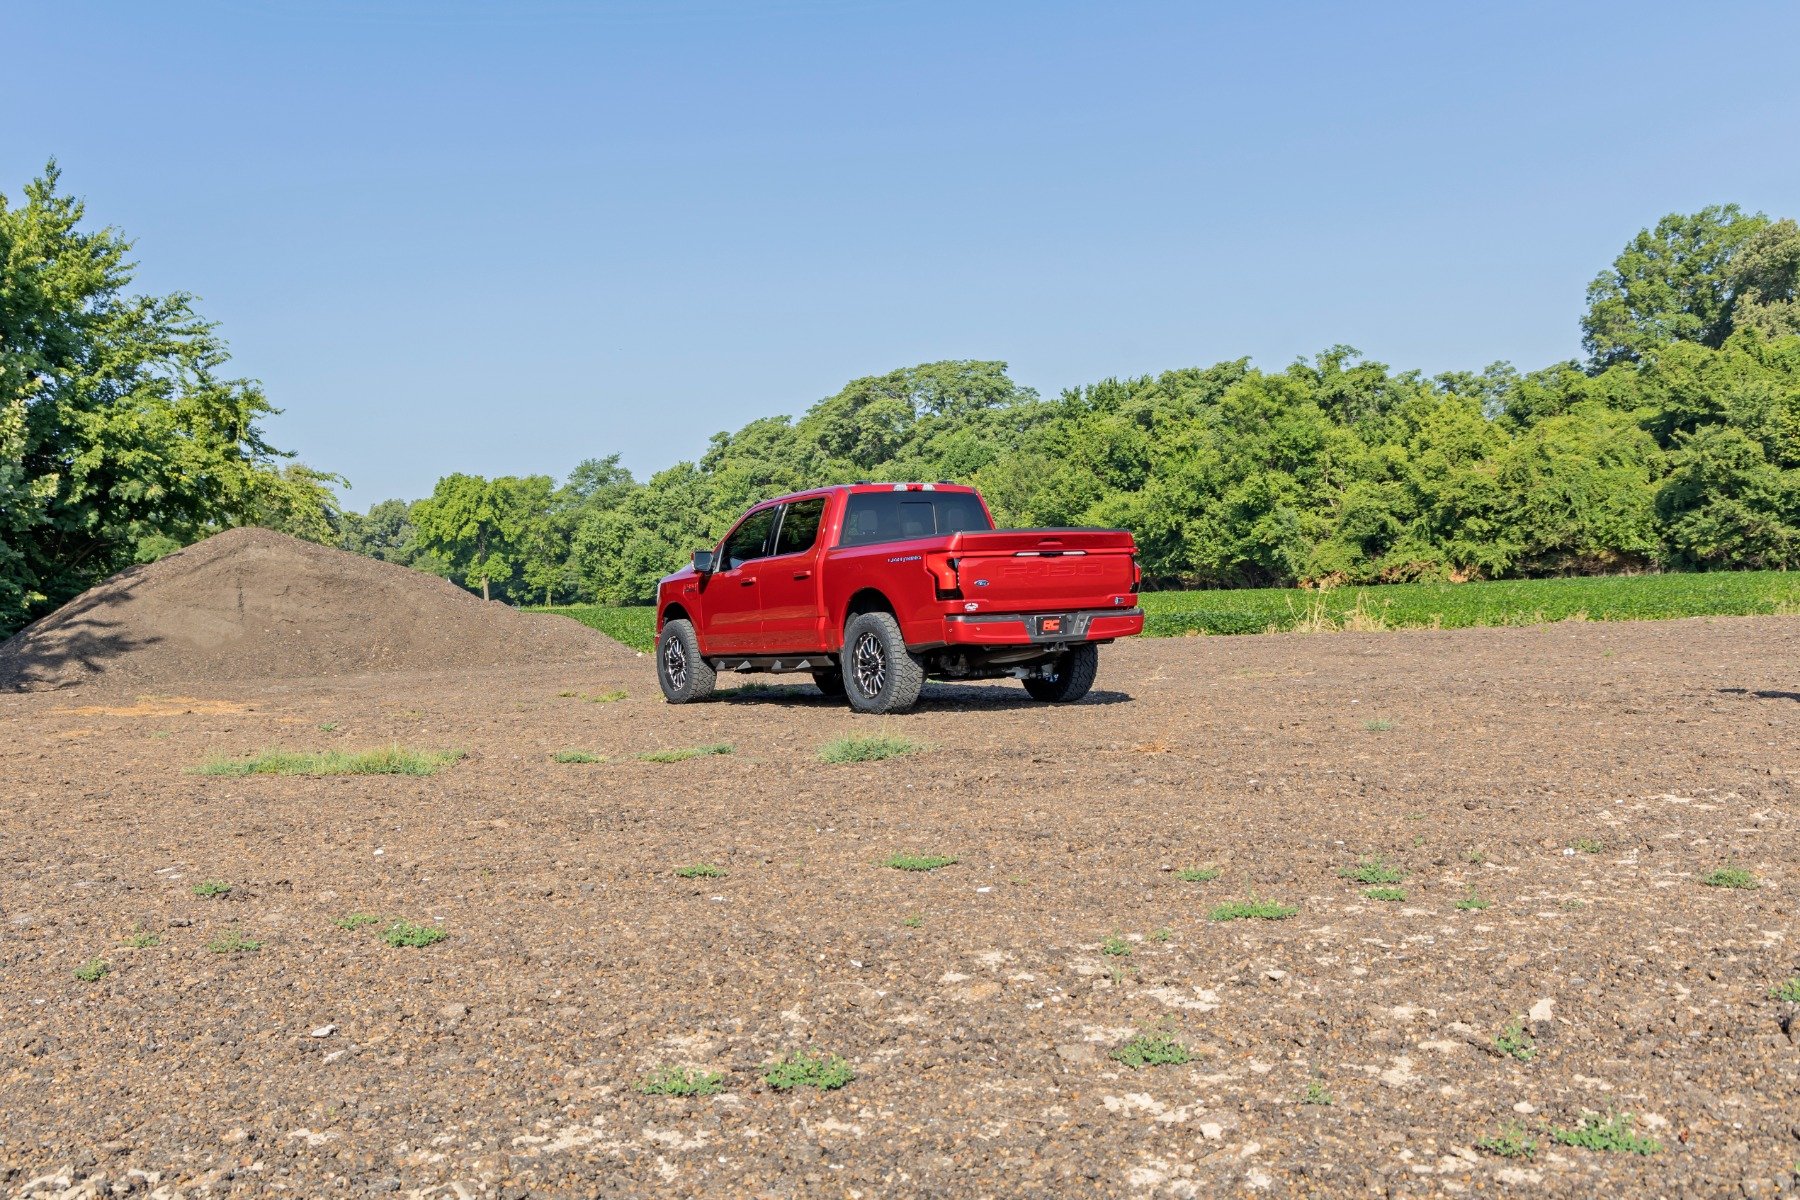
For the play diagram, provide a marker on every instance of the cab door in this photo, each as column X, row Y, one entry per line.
column 788, row 581
column 732, row 605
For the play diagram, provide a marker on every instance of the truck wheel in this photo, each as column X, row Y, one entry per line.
column 879, row 675
column 684, row 675
column 1070, row 679
column 831, row 683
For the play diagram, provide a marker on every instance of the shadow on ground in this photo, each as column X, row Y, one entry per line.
column 952, row 697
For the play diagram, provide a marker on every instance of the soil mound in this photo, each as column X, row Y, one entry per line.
column 255, row 604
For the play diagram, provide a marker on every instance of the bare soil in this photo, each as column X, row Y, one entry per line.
column 1581, row 777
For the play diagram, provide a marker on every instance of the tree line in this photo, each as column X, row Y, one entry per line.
column 1675, row 445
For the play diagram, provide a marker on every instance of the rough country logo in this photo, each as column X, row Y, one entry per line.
column 908, row 558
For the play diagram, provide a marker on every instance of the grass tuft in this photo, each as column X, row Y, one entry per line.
column 1373, row 870
column 1789, row 991
column 1385, row 893
column 807, row 1068
column 919, row 862
column 1612, row 1133
column 1152, row 1050
column 1515, row 1042
column 143, row 941
column 1198, row 874
column 674, row 1081
column 392, row 760
column 1510, row 1142
column 682, row 755
column 1731, row 877
column 233, row 942
column 411, row 933
column 1316, row 1094
column 701, row 871
column 1473, row 902
column 1116, row 946
column 211, row 888
column 1588, row 845
column 356, row 920
column 1378, row 725
column 611, row 697
column 867, row 749
column 576, row 756
column 1252, row 909
column 93, row 970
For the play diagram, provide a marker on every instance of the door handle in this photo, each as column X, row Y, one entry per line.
column 802, row 574
column 748, row 582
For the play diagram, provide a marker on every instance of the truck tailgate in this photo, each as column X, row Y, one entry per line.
column 1045, row 570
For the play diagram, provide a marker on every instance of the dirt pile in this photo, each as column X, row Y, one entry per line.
column 255, row 604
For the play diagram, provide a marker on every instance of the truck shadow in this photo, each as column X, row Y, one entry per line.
column 948, row 696
column 1763, row 695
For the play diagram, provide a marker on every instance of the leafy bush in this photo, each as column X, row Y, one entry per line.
column 1152, row 1050
column 1252, row 910
column 1611, row 1133
column 1731, row 877
column 674, row 1081
column 410, row 933
column 1373, row 870
column 919, row 862
column 807, row 1068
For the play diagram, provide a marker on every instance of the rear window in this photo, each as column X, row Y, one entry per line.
column 873, row 517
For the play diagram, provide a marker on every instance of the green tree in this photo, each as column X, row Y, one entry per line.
column 1672, row 283
column 119, row 432
column 480, row 526
column 1766, row 281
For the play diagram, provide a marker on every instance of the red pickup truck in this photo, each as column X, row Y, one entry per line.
column 873, row 587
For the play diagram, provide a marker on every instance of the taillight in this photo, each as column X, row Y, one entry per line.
column 942, row 568
column 1137, row 573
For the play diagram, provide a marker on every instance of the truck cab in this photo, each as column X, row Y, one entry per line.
column 872, row 588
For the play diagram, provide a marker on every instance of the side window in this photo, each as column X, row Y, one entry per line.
column 800, row 526
column 751, row 539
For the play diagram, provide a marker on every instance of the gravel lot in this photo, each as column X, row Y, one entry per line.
column 1582, row 778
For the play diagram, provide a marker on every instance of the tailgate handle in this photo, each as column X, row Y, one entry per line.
column 1048, row 553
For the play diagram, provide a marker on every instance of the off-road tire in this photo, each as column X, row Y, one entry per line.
column 683, row 674
column 1071, row 677
column 831, row 683
column 879, row 675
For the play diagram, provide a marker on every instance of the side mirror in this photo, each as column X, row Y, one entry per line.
column 703, row 561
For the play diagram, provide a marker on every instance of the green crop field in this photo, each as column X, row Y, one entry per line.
column 1398, row 606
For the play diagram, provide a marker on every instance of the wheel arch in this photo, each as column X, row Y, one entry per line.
column 672, row 611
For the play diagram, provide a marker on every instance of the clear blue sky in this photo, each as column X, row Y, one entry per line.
column 502, row 237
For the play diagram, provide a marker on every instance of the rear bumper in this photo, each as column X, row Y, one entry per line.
column 1021, row 629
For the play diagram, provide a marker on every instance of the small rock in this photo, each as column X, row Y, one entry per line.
column 323, row 1031
column 1212, row 1132
column 179, row 922
column 453, row 1012
column 1076, row 1052
column 1524, row 1106
column 1275, row 975
column 235, row 1136
column 390, row 1184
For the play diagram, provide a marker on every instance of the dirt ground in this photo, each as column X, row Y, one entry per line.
column 1581, row 777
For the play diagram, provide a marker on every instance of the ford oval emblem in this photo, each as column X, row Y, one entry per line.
column 981, row 583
